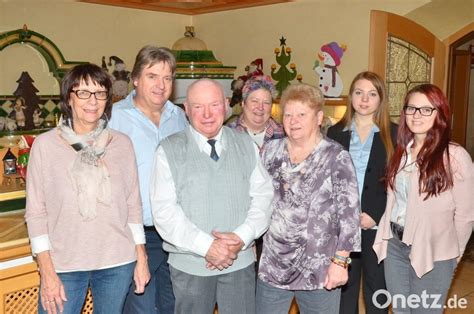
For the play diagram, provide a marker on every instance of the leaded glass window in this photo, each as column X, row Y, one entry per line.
column 407, row 66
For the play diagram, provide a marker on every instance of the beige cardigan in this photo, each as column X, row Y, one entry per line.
column 439, row 228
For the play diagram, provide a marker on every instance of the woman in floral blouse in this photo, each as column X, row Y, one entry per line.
column 315, row 220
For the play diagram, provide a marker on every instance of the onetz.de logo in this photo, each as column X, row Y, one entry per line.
column 415, row 301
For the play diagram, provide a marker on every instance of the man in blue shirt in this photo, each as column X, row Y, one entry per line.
column 147, row 116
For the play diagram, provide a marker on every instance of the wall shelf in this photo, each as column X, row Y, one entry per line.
column 339, row 101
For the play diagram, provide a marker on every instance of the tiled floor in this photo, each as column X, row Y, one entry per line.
column 461, row 288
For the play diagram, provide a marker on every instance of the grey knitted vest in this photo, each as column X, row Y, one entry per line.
column 213, row 195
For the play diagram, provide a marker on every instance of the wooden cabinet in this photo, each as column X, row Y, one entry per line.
column 19, row 288
column 19, row 276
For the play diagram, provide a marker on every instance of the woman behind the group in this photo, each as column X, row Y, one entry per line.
column 366, row 132
column 315, row 219
column 429, row 214
column 256, row 120
column 83, row 206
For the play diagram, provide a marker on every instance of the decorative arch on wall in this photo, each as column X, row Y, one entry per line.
column 57, row 65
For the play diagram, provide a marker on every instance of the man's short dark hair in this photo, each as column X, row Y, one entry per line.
column 149, row 56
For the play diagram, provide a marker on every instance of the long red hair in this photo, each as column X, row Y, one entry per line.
column 433, row 159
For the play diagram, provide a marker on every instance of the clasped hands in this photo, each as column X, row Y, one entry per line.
column 223, row 250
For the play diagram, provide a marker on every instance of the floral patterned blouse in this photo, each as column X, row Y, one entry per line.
column 315, row 214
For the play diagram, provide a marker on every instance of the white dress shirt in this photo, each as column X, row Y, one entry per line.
column 402, row 188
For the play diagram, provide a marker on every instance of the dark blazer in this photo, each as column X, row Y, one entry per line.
column 374, row 196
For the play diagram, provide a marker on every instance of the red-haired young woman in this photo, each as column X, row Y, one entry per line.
column 430, row 211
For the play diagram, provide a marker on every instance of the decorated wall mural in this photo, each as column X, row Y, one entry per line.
column 283, row 76
column 26, row 110
column 326, row 68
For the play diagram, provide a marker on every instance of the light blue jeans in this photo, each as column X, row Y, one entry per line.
column 403, row 283
column 109, row 289
column 272, row 300
column 158, row 296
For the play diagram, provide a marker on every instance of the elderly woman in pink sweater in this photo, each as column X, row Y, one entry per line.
column 83, row 204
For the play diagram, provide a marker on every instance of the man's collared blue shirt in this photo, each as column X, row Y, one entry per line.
column 146, row 137
column 360, row 153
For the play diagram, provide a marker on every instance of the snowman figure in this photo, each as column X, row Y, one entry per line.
column 120, row 77
column 330, row 81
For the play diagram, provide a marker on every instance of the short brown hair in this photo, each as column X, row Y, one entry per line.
column 89, row 73
column 149, row 56
column 305, row 93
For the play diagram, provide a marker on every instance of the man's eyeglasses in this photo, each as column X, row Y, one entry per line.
column 424, row 111
column 85, row 94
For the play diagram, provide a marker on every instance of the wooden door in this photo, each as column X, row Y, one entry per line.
column 459, row 94
column 405, row 54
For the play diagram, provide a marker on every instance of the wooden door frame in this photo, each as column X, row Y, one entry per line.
column 451, row 43
column 448, row 42
column 383, row 23
column 458, row 96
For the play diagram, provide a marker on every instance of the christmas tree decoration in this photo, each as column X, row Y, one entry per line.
column 25, row 104
column 283, row 76
column 330, row 81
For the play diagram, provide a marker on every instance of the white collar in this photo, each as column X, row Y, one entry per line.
column 201, row 140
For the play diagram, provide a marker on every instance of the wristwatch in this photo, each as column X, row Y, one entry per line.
column 344, row 259
column 341, row 260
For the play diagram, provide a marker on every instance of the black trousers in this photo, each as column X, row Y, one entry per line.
column 364, row 263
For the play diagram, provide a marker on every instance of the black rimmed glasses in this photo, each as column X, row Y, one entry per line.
column 424, row 111
column 85, row 94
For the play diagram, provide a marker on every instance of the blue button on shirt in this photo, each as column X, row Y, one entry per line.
column 146, row 136
column 360, row 153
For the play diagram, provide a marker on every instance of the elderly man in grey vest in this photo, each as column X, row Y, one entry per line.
column 211, row 199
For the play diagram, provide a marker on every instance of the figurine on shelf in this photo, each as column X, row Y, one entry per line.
column 10, row 125
column 330, row 81
column 19, row 109
column 236, row 87
column 24, row 153
column 120, row 79
column 254, row 69
column 37, row 120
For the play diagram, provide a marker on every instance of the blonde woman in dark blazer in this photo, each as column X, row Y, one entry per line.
column 366, row 132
